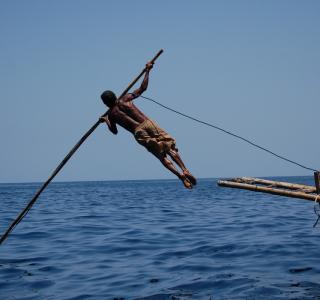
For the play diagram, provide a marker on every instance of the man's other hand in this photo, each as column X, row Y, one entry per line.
column 103, row 119
column 149, row 66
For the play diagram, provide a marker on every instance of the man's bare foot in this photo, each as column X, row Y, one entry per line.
column 186, row 182
column 190, row 177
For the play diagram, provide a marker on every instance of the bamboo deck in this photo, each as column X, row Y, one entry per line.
column 286, row 189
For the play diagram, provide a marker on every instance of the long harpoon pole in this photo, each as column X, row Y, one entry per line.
column 65, row 160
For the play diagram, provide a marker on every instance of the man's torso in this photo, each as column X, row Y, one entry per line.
column 127, row 115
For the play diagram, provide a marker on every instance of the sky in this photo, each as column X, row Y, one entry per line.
column 250, row 67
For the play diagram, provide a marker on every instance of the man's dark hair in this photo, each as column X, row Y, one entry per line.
column 109, row 98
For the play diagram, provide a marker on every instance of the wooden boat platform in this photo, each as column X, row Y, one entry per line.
column 301, row 191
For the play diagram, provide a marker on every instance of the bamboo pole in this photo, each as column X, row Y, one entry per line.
column 65, row 160
column 288, row 185
column 317, row 181
column 269, row 190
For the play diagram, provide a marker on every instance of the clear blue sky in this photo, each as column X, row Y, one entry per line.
column 252, row 67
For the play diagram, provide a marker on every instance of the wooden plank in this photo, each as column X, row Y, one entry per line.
column 263, row 189
column 288, row 185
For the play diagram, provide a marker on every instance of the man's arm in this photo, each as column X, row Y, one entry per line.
column 144, row 85
column 112, row 126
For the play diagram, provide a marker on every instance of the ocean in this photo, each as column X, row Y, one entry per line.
column 157, row 240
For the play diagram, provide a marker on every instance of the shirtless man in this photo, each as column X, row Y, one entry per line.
column 146, row 132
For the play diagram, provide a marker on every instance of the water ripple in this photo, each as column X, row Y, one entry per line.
column 155, row 240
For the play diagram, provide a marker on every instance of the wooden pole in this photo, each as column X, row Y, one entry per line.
column 65, row 160
column 272, row 183
column 269, row 190
column 317, row 181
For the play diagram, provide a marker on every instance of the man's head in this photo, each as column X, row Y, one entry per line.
column 109, row 98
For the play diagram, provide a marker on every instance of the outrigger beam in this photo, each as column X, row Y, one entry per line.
column 280, row 188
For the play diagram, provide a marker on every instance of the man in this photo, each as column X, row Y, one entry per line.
column 146, row 132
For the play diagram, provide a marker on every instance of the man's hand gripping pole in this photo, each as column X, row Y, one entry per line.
column 137, row 78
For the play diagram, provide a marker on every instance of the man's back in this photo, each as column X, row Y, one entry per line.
column 126, row 114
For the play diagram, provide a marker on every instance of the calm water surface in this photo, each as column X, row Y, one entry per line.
column 156, row 240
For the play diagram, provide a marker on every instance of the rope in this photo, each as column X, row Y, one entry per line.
column 232, row 134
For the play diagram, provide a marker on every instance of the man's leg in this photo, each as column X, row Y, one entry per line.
column 170, row 166
column 177, row 159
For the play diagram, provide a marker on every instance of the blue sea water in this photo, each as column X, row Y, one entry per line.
column 156, row 240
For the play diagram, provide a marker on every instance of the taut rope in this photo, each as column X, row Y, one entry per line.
column 230, row 133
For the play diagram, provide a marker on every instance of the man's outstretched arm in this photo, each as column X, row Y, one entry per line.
column 144, row 85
